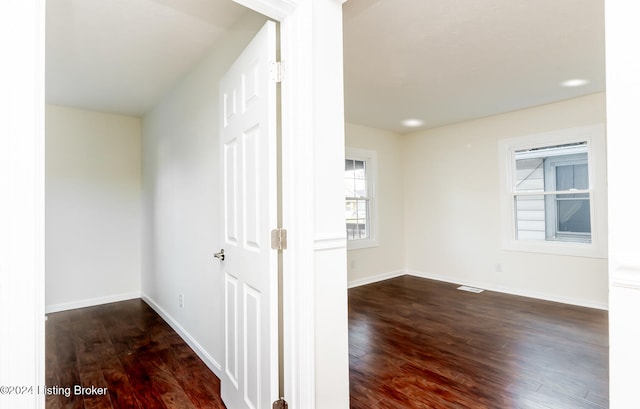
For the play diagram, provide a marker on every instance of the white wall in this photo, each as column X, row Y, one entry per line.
column 181, row 225
column 452, row 208
column 93, row 207
column 387, row 259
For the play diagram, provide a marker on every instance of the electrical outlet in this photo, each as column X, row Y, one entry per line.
column 499, row 268
column 181, row 301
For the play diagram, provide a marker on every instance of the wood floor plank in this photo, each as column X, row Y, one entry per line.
column 66, row 377
column 121, row 392
column 185, row 366
column 165, row 385
column 94, row 400
column 417, row 343
column 142, row 383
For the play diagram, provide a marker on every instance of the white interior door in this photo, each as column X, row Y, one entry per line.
column 248, row 137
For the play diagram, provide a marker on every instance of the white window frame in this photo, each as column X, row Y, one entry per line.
column 594, row 136
column 370, row 157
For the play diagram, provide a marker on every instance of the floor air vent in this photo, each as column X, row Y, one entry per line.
column 470, row 289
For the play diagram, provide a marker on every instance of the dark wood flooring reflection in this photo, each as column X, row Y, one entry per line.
column 128, row 349
column 417, row 343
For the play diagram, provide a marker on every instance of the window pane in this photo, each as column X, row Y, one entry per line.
column 360, row 169
column 530, row 217
column 553, row 217
column 355, row 182
column 530, row 174
column 363, row 208
column 349, row 166
column 349, row 187
column 351, row 209
column 552, row 168
column 581, row 176
column 351, row 216
column 357, row 217
column 573, row 215
column 572, row 177
column 360, row 188
column 564, row 177
column 362, row 231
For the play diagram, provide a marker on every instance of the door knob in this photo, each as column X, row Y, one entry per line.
column 219, row 255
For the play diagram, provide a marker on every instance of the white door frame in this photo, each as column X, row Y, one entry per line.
column 316, row 366
column 22, row 337
column 623, row 127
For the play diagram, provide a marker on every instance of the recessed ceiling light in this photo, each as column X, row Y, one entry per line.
column 412, row 122
column 574, row 82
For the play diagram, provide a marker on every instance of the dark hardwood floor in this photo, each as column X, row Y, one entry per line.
column 128, row 349
column 417, row 343
column 413, row 343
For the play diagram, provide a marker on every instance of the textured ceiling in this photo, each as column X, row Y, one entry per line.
column 440, row 61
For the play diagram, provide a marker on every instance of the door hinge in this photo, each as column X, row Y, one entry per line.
column 276, row 71
column 278, row 239
column 280, row 404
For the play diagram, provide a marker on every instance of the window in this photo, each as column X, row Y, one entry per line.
column 551, row 195
column 360, row 206
column 553, row 198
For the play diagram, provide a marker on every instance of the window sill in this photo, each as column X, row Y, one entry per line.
column 361, row 244
column 573, row 249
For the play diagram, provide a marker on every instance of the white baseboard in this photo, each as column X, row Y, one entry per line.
column 375, row 279
column 90, row 302
column 512, row 291
column 211, row 363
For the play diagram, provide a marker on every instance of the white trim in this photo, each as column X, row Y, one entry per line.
column 297, row 209
column 624, row 275
column 312, row 119
column 375, row 279
column 594, row 135
column 211, row 363
column 358, row 244
column 91, row 302
column 512, row 291
column 275, row 9
column 633, row 284
column 22, row 340
column 329, row 243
